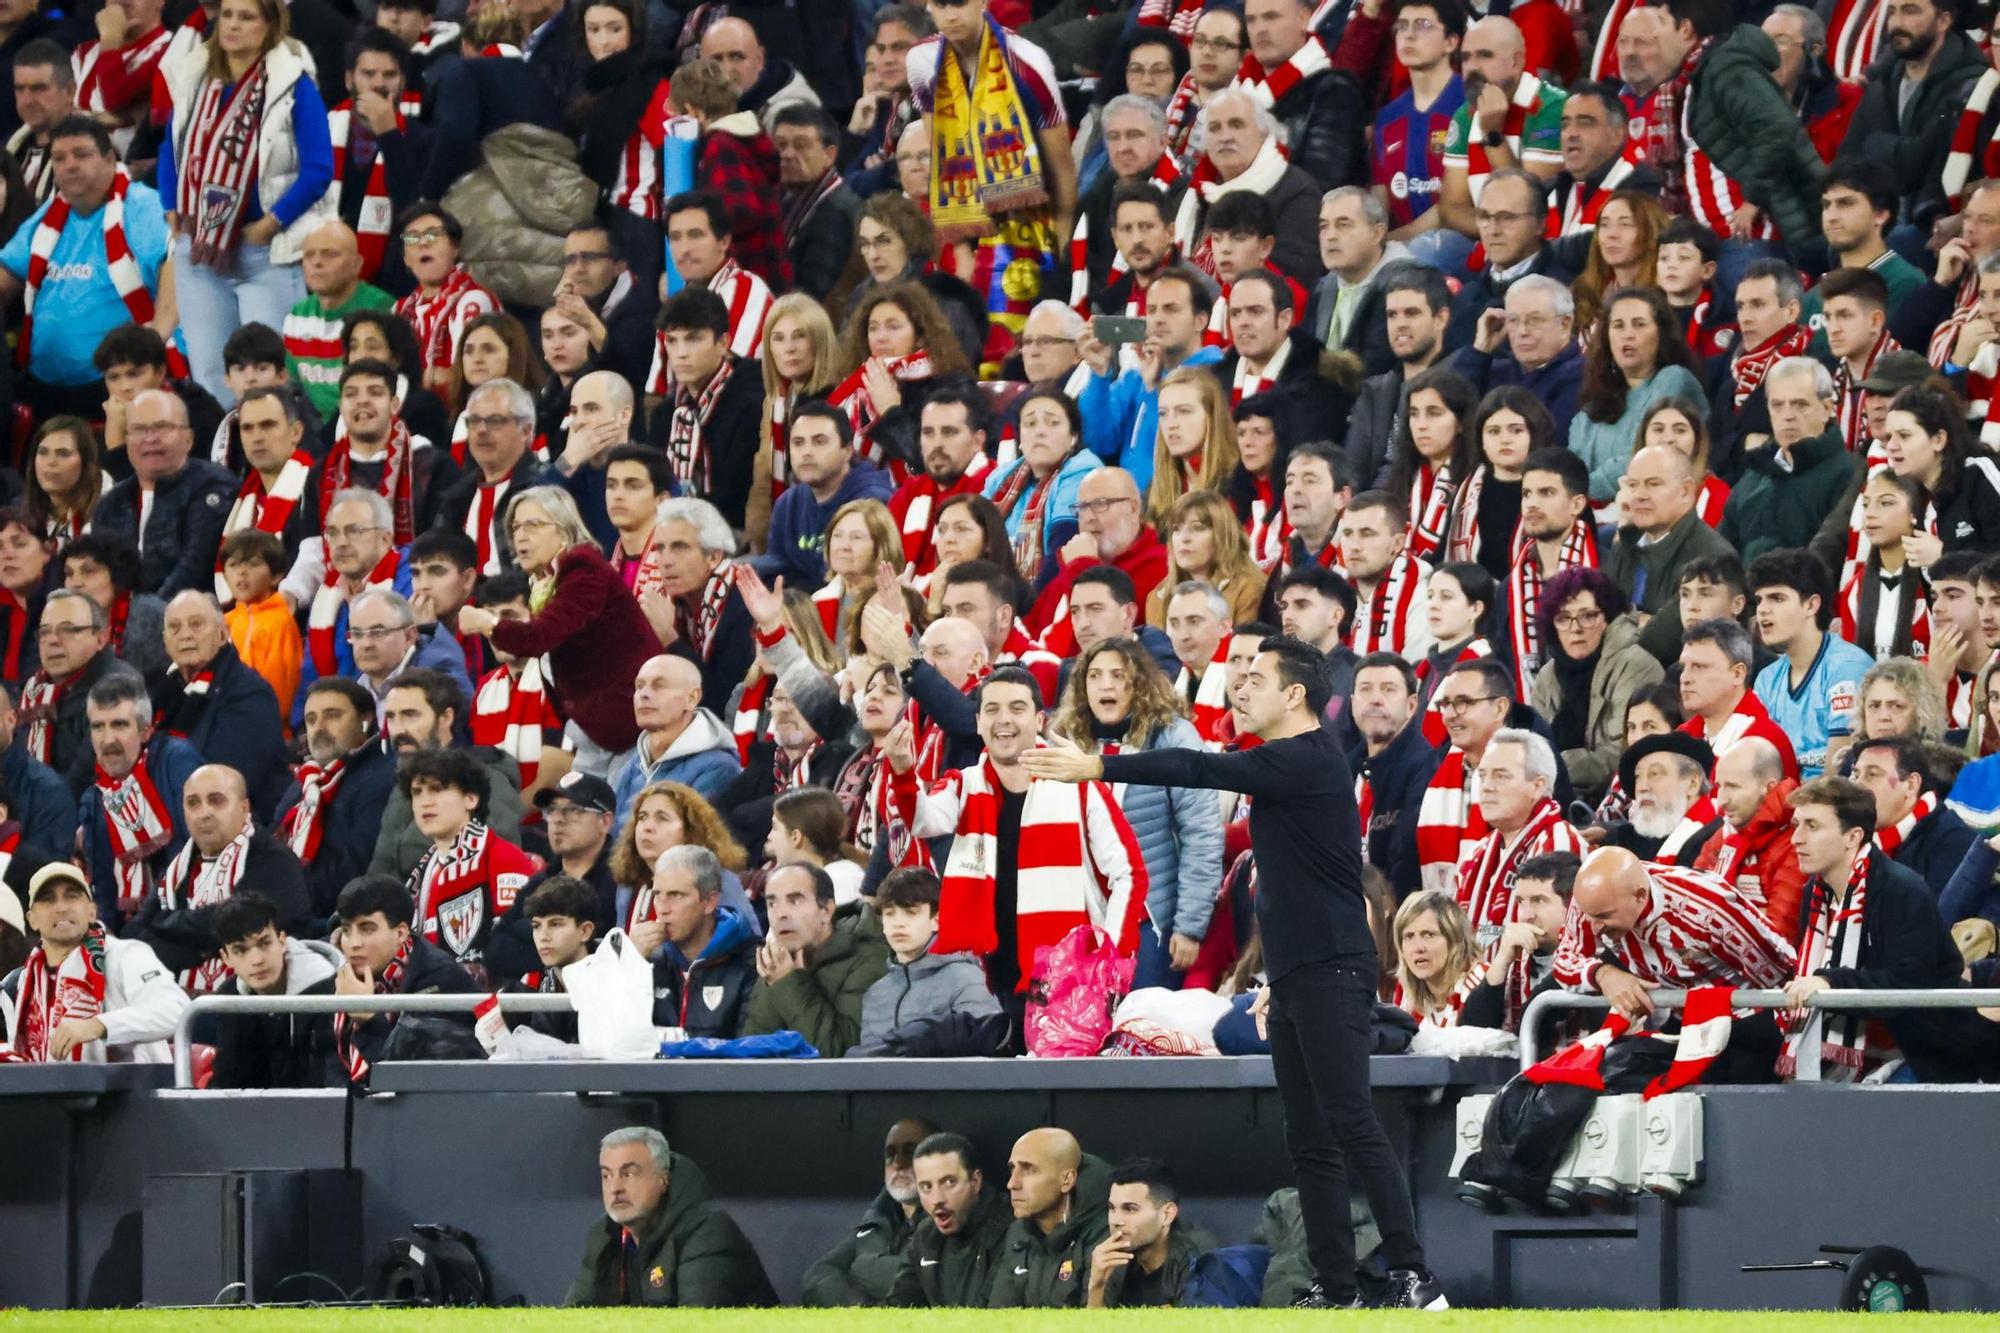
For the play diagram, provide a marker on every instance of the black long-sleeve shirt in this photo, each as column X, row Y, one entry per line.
column 1305, row 831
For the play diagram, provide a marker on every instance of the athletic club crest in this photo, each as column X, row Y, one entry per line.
column 459, row 920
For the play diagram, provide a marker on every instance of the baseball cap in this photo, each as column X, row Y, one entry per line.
column 53, row 871
column 592, row 793
column 1896, row 370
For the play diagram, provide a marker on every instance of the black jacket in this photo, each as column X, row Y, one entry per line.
column 468, row 100
column 730, row 437
column 276, row 1050
column 1372, row 426
column 1320, row 387
column 510, row 948
column 1936, row 847
column 1323, row 119
column 457, row 502
column 628, row 333
column 238, row 726
column 1914, row 142
column 1482, row 292
column 1367, row 332
column 430, row 971
column 1094, row 207
column 747, row 800
column 1397, row 778
column 406, row 155
column 825, row 242
column 70, row 753
column 731, row 652
column 556, row 58
column 38, row 799
column 955, row 1270
column 353, row 822
column 862, row 1269
column 183, row 530
column 181, row 937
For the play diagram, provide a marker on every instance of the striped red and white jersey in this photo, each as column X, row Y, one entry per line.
column 1712, row 197
column 749, row 302
column 1695, row 929
column 637, row 188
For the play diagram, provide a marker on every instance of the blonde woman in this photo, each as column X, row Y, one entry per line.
column 801, row 356
column 1436, row 967
column 583, row 618
column 861, row 539
column 1204, row 541
column 664, row 815
column 1196, row 446
column 1117, row 696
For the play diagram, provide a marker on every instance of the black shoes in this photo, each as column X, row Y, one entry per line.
column 1415, row 1289
column 1315, row 1298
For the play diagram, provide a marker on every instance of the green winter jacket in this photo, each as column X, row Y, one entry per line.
column 1747, row 127
column 822, row 1000
column 688, row 1253
column 1772, row 508
column 955, row 1270
column 1036, row 1271
column 1283, row 1228
column 862, row 1269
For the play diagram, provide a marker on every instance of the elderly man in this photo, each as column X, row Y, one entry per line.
column 1662, row 533
column 1050, row 348
column 1825, row 101
column 1594, row 167
column 44, row 97
column 129, row 821
column 88, row 260
column 1347, row 310
column 944, row 668
column 1672, row 816
column 76, row 653
column 820, row 211
column 862, row 1270
column 1111, row 532
column 1198, row 624
column 1517, row 781
column 219, row 705
column 1511, row 223
column 84, row 994
column 698, row 614
column 1722, row 710
column 768, row 85
column 1519, row 127
column 1753, row 847
column 332, row 261
column 361, row 555
column 225, row 851
column 388, row 642
column 172, row 507
column 663, row 1240
column 1913, row 826
column 1288, row 72
column 1537, row 319
column 332, row 813
column 680, row 740
column 500, row 417
column 1241, row 152
column 1798, row 475
column 1134, row 131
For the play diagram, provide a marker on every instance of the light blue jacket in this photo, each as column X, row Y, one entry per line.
column 1607, row 445
column 1121, row 417
column 1061, row 506
column 1179, row 831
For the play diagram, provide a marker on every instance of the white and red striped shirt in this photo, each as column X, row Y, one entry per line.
column 637, row 188
column 1694, row 930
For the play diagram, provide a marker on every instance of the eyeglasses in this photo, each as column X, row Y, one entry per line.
column 489, row 422
column 521, row 525
column 1414, row 27
column 1499, row 218
column 1096, row 507
column 1458, row 703
column 1215, row 44
column 424, row 237
column 1529, row 323
column 1149, row 71
column 582, row 257
column 875, row 242
column 561, row 812
column 62, row 631
column 1579, row 619
column 353, row 532
column 1047, row 342
column 358, row 636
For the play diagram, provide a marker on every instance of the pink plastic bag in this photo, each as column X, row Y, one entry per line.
column 1076, row 987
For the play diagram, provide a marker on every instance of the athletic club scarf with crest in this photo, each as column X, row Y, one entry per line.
column 1890, row 837
column 987, row 160
column 218, row 163
column 1449, row 825
column 305, row 823
column 1209, row 698
column 514, row 716
column 324, row 617
column 1705, row 1026
column 1752, row 364
column 1431, row 492
column 1965, row 145
column 119, row 263
column 1434, row 729
column 265, row 510
column 1382, row 623
column 195, row 881
column 396, row 480
column 1820, row 1045
column 47, row 1001
column 688, row 454
column 1486, row 878
column 389, row 983
column 139, row 825
column 461, row 891
column 1524, row 596
column 371, row 228
column 1165, row 173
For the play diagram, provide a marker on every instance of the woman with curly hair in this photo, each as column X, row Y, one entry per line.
column 1119, row 700
column 1680, row 424
column 798, row 361
column 1594, row 670
column 1624, row 249
column 664, row 815
column 1637, row 356
column 1196, row 446
column 1433, row 454
column 896, row 243
column 1205, row 542
column 65, row 478
column 895, row 350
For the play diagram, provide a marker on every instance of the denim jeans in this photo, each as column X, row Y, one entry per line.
column 1155, row 966
column 214, row 303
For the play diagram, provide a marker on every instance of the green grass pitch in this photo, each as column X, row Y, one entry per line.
column 971, row 1321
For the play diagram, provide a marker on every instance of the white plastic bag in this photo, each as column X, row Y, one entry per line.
column 613, row 993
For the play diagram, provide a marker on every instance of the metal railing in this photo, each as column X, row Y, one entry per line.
column 226, row 1005
column 1837, row 1000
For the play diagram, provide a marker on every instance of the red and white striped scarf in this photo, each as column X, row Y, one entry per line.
column 1462, row 537
column 1891, row 837
column 1246, row 381
column 1433, row 720
column 433, row 316
column 139, row 825
column 852, row 397
column 461, row 890
column 1525, row 102
column 1431, row 492
column 688, row 455
column 1210, row 700
column 1383, row 622
column 1182, row 112
column 218, row 163
column 778, row 411
column 1176, row 16
column 1604, row 55
column 826, row 601
column 649, row 576
column 41, row 697
column 789, row 774
column 324, row 615
column 47, row 1001
column 1060, row 882
column 1165, row 173
column 1965, row 143
column 1958, row 695
column 371, row 227
column 1524, row 595
column 926, row 494
column 799, row 204
column 1854, row 35
column 196, row 881
column 1585, row 202
column 753, row 714
column 1697, row 818
column 1706, row 1021
column 1269, row 528
column 1752, row 364
column 1982, row 389
column 1822, row 1046
column 1964, row 307
column 397, row 466
column 700, row 624
column 389, row 983
column 305, row 823
column 266, row 511
column 1268, row 88
column 481, row 515
column 1449, row 824
column 136, row 62
column 1860, row 591
column 1486, row 878
column 1853, row 398
column 119, row 264
column 513, row 714
column 749, row 300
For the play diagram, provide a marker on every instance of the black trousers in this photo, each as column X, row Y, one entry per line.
column 1320, row 1038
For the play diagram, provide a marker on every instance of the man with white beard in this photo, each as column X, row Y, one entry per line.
column 1672, row 813
column 862, row 1269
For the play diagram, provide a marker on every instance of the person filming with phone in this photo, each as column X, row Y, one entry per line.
column 1121, row 408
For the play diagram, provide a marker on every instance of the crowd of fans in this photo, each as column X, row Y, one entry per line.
column 488, row 478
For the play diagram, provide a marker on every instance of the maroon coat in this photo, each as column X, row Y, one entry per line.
column 596, row 637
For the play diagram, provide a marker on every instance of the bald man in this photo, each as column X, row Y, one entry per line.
column 1110, row 530
column 224, row 852
column 601, row 405
column 768, row 84
column 1753, row 848
column 172, row 507
column 1060, row 1214
column 333, row 267
column 1484, row 136
column 1662, row 534
column 679, row 740
column 939, row 673
column 220, row 705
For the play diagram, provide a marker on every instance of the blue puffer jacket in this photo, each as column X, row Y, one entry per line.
column 1180, row 834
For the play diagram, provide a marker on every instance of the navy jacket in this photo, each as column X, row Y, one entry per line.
column 799, row 519
column 170, row 761
column 183, row 530
column 238, row 726
column 709, row 996
column 353, row 822
column 468, row 100
column 1936, row 848
column 43, row 804
column 1555, row 385
column 1397, row 777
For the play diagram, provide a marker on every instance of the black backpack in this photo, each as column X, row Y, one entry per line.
column 439, row 1265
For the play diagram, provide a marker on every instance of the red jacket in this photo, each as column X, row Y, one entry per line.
column 1144, row 562
column 1769, row 865
column 596, row 638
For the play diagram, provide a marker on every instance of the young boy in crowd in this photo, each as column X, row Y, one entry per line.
column 921, row 991
column 563, row 911
column 261, row 623
column 470, row 875
column 1686, row 267
column 270, row 1050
